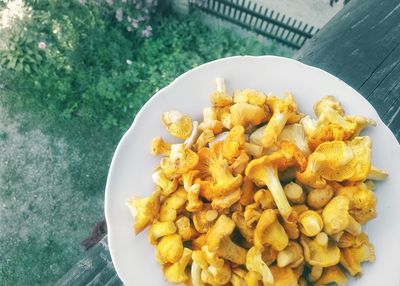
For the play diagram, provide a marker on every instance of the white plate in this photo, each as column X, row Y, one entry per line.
column 132, row 165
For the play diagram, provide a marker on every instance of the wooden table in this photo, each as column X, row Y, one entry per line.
column 360, row 45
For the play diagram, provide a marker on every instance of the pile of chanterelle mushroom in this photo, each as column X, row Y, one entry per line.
column 259, row 194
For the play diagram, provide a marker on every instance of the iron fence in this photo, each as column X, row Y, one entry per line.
column 260, row 20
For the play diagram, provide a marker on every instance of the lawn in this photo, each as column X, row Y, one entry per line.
column 64, row 106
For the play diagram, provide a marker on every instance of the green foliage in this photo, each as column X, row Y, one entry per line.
column 99, row 72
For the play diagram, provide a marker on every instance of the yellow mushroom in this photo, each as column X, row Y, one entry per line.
column 294, row 193
column 177, row 124
column 299, row 209
column 176, row 273
column 336, row 217
column 169, row 249
column 250, row 96
column 160, row 147
column 240, row 163
column 310, row 223
column 254, row 263
column 338, row 161
column 194, row 204
column 270, row 231
column 218, row 240
column 264, row 172
column 315, row 273
column 160, row 229
column 346, row 240
column 199, row 242
column 205, row 137
column 291, row 256
column 320, row 251
column 352, row 257
column 362, row 201
column 238, row 277
column 220, row 98
column 265, row 199
column 332, row 275
column 189, row 142
column 223, row 182
column 185, row 230
column 217, row 276
column 180, row 160
column 225, row 202
column 283, row 276
column 291, row 226
column 199, row 263
column 246, row 115
column 318, row 198
column 169, row 208
column 253, row 278
column 212, row 257
column 283, row 110
column 247, row 192
column 245, row 230
column 144, row 210
column 377, row 174
column 210, row 120
column 252, row 214
column 294, row 133
column 253, row 149
column 166, row 185
column 269, row 254
column 204, row 219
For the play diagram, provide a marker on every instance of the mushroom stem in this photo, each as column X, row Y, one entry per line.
column 322, row 239
column 353, row 227
column 277, row 192
column 316, row 273
column 220, row 82
column 285, row 257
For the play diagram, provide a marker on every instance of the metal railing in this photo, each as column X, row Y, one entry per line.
column 260, row 20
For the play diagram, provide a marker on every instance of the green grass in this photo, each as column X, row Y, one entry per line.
column 59, row 131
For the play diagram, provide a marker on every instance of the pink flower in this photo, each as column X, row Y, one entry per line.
column 135, row 23
column 147, row 32
column 119, row 14
column 129, row 29
column 110, row 2
column 42, row 45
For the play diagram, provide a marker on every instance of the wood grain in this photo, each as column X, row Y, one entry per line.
column 361, row 46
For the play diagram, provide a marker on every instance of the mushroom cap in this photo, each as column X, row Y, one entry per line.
column 332, row 274
column 291, row 256
column 176, row 273
column 250, row 96
column 335, row 215
column 320, row 251
column 144, row 210
column 328, row 102
column 180, row 161
column 246, row 114
column 170, row 249
column 220, row 99
column 177, row 124
column 283, row 276
column 233, row 142
column 270, row 231
column 353, row 256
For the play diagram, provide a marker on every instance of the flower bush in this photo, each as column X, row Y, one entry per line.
column 100, row 60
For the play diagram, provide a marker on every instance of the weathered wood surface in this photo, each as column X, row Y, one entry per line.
column 94, row 269
column 361, row 46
